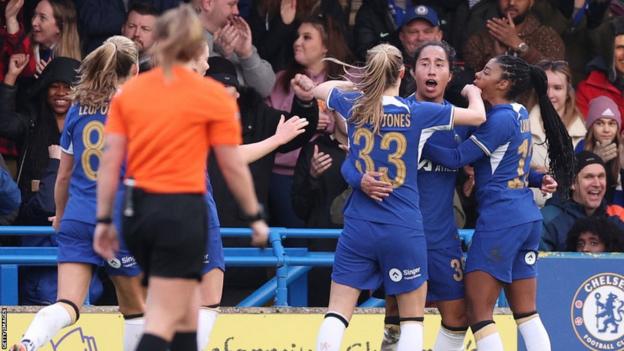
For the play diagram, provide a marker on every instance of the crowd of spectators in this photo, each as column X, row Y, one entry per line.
column 258, row 46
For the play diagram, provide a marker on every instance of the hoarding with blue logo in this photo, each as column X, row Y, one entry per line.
column 581, row 300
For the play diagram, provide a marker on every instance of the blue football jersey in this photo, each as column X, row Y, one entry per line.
column 501, row 179
column 83, row 138
column 394, row 151
column 436, row 184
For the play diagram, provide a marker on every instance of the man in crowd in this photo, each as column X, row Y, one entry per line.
column 586, row 200
column 138, row 27
column 228, row 35
column 516, row 31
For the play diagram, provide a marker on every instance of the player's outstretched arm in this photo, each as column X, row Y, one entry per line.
column 105, row 241
column 285, row 132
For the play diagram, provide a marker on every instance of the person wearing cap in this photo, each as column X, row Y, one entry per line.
column 587, row 199
column 515, row 31
column 606, row 71
column 603, row 124
column 420, row 24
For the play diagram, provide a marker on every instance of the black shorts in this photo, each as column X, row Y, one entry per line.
column 166, row 233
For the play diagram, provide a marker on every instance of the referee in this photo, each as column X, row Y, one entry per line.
column 165, row 121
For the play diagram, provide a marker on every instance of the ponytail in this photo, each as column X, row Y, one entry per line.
column 103, row 70
column 560, row 150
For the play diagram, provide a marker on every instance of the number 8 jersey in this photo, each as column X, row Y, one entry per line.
column 83, row 138
column 394, row 151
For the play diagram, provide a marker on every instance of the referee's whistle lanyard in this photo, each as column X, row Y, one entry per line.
column 128, row 203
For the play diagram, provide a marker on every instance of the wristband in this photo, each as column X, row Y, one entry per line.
column 104, row 220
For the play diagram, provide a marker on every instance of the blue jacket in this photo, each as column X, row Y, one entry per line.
column 10, row 197
column 559, row 217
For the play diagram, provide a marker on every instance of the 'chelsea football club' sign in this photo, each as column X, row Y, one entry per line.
column 598, row 312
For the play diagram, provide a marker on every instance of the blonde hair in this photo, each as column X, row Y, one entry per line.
column 103, row 70
column 383, row 67
column 65, row 16
column 179, row 37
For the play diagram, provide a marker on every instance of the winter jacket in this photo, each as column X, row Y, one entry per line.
column 597, row 84
column 23, row 124
column 559, row 217
column 313, row 197
column 373, row 25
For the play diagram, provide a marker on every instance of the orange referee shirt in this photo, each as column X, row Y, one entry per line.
column 170, row 125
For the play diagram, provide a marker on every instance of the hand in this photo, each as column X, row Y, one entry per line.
column 375, row 189
column 319, row 163
column 288, row 10
column 259, row 233
column 56, row 223
column 12, row 8
column 323, row 121
column 41, row 65
column 289, row 129
column 621, row 154
column 226, row 39
column 606, row 152
column 302, row 88
column 549, row 184
column 499, row 48
column 17, row 63
column 470, row 89
column 504, row 30
column 105, row 241
column 244, row 46
column 54, row 151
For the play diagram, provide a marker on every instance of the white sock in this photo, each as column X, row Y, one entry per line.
column 205, row 322
column 411, row 336
column 133, row 329
column 448, row 340
column 534, row 334
column 488, row 338
column 47, row 323
column 331, row 332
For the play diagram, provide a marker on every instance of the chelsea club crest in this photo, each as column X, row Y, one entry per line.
column 598, row 312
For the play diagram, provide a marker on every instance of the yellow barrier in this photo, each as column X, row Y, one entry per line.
column 258, row 329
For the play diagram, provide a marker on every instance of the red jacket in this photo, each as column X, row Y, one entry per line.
column 17, row 43
column 597, row 84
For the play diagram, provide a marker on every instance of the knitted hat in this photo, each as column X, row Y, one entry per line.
column 586, row 158
column 603, row 107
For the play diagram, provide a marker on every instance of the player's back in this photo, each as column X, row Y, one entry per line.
column 83, row 137
column 501, row 179
column 394, row 152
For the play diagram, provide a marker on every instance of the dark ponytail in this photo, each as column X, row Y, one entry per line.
column 560, row 150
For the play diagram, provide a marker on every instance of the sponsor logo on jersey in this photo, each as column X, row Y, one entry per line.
column 395, row 275
column 530, row 258
column 598, row 312
column 114, row 262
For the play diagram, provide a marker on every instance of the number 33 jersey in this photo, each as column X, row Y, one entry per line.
column 83, row 138
column 394, row 152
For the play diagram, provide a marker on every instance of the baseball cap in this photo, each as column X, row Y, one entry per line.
column 586, row 158
column 421, row 12
column 222, row 70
